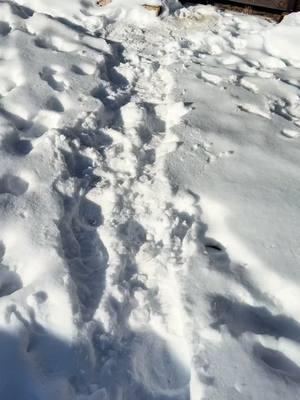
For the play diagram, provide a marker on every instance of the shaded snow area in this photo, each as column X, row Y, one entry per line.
column 149, row 203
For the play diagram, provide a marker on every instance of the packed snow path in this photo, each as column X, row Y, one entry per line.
column 149, row 176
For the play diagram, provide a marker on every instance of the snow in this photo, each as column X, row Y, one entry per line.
column 149, row 203
column 282, row 40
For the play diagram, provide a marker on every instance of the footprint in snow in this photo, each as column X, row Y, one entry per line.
column 210, row 78
column 90, row 213
column 10, row 281
column 4, row 28
column 99, row 93
column 45, row 43
column 21, row 11
column 83, row 69
column 56, row 44
column 37, row 298
column 23, row 147
column 14, row 185
column 2, row 250
column 254, row 109
column 290, row 133
column 48, row 75
column 53, row 104
column 17, row 146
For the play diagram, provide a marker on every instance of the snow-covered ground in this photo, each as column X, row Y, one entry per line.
column 149, row 203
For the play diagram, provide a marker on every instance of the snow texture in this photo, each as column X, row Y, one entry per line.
column 149, row 203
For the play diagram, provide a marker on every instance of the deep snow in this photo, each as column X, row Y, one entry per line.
column 149, row 203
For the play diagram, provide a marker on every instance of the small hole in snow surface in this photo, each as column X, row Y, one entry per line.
column 213, row 246
column 40, row 297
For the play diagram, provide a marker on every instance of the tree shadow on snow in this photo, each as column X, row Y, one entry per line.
column 37, row 365
column 240, row 318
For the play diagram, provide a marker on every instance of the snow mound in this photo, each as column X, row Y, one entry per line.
column 282, row 40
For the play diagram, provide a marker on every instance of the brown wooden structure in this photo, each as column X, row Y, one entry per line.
column 279, row 6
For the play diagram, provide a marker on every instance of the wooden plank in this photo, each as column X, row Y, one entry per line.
column 245, row 9
column 268, row 6
column 153, row 8
column 282, row 5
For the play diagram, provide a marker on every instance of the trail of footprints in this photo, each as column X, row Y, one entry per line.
column 12, row 186
column 18, row 135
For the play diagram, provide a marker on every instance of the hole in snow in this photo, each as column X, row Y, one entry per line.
column 212, row 245
column 14, row 145
column 4, row 28
column 40, row 297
